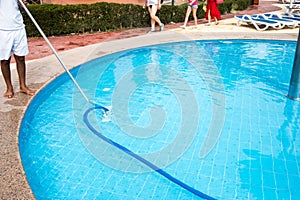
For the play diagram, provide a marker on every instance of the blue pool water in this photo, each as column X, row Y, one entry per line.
column 211, row 114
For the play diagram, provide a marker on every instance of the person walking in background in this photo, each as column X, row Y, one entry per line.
column 153, row 6
column 13, row 40
column 212, row 11
column 192, row 6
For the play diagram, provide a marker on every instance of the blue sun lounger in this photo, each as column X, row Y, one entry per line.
column 294, row 8
column 275, row 17
column 286, row 16
column 294, row 15
column 260, row 23
column 289, row 1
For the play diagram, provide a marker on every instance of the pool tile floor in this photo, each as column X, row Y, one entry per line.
column 42, row 67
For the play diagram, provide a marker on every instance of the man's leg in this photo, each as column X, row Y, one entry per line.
column 5, row 68
column 21, row 68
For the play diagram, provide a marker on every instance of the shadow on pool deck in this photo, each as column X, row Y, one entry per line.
column 43, row 68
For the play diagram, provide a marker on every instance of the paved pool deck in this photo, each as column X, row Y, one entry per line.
column 43, row 68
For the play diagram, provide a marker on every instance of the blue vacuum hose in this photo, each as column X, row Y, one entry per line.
column 139, row 158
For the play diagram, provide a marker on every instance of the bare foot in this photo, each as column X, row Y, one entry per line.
column 27, row 91
column 8, row 94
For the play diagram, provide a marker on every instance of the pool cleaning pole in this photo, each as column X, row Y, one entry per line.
column 294, row 90
column 53, row 50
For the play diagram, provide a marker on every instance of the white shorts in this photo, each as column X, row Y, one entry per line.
column 13, row 42
column 152, row 2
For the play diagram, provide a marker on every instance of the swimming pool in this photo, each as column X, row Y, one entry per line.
column 211, row 114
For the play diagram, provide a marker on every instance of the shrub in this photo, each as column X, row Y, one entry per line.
column 88, row 18
column 241, row 4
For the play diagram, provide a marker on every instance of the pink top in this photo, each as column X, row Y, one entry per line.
column 194, row 3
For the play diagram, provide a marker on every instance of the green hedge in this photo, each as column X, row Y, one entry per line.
column 104, row 17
